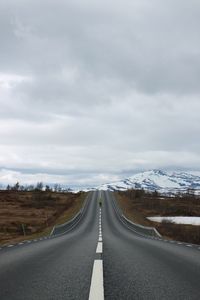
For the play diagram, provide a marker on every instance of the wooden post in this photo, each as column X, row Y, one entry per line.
column 23, row 228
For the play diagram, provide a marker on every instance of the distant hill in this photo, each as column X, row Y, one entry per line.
column 164, row 182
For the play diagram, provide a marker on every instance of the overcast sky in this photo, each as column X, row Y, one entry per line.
column 93, row 91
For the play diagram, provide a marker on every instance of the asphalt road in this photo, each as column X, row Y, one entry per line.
column 143, row 268
column 135, row 267
column 57, row 268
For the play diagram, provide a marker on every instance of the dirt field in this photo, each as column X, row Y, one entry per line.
column 137, row 205
column 24, row 215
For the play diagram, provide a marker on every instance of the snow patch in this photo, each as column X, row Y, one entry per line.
column 177, row 220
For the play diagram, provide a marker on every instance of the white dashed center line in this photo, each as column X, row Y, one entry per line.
column 99, row 247
column 96, row 288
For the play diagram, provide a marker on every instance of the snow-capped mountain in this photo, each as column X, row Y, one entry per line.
column 164, row 182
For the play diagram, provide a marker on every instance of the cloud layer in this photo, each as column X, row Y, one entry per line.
column 96, row 90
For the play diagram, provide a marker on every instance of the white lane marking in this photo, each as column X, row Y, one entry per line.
column 96, row 288
column 20, row 243
column 179, row 243
column 9, row 246
column 99, row 248
column 100, row 239
column 189, row 245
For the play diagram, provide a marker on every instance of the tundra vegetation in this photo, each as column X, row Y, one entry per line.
column 137, row 205
column 29, row 212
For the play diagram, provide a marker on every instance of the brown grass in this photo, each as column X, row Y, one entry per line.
column 137, row 205
column 36, row 211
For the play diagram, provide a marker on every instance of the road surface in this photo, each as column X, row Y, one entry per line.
column 134, row 267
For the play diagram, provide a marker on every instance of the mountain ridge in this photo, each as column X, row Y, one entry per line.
column 160, row 180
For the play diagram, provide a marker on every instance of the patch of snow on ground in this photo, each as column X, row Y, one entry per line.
column 177, row 220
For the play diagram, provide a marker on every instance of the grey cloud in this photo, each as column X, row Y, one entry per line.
column 106, row 87
column 155, row 51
